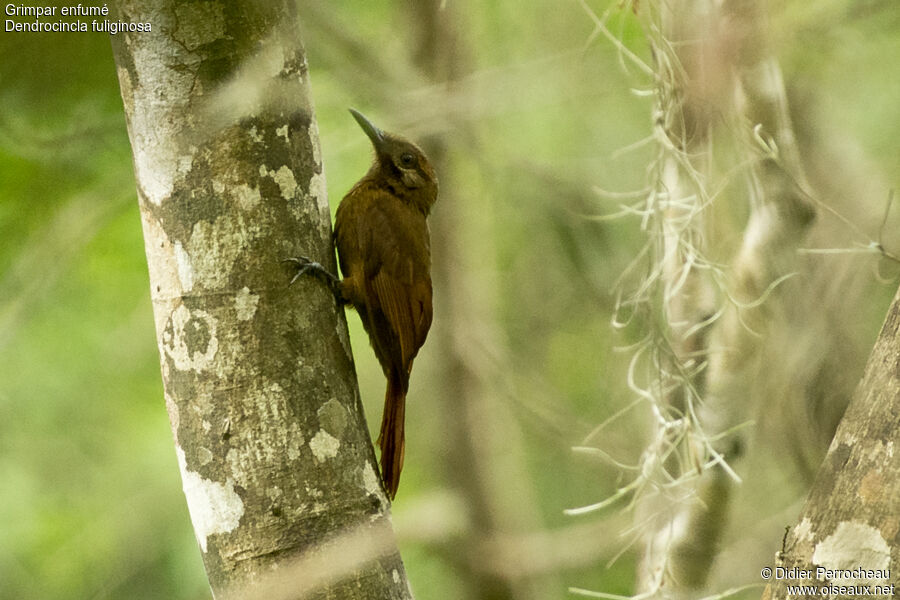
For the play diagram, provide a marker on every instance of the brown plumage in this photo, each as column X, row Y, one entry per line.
column 384, row 252
column 383, row 248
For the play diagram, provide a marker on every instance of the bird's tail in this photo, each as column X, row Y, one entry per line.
column 391, row 439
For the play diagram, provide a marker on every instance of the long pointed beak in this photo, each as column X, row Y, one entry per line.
column 375, row 134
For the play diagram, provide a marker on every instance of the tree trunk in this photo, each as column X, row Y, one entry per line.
column 277, row 465
column 852, row 516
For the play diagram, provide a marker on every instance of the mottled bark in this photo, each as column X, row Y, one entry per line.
column 852, row 515
column 277, row 466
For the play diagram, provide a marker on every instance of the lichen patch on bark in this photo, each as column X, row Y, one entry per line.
column 324, row 445
column 214, row 248
column 245, row 304
column 205, row 456
column 853, row 545
column 247, row 197
column 318, row 193
column 314, row 142
column 214, row 507
column 183, row 261
column 284, row 177
column 370, row 480
column 803, row 531
column 174, row 417
column 189, row 339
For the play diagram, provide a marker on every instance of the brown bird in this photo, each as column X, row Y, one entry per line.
column 384, row 252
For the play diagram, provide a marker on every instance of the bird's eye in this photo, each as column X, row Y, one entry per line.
column 407, row 159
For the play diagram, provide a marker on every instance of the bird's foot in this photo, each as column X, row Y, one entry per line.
column 305, row 265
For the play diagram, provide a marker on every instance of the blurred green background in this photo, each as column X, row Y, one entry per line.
column 90, row 499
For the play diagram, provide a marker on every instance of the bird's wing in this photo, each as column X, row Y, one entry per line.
column 398, row 280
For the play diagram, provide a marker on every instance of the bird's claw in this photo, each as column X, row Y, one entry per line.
column 306, row 265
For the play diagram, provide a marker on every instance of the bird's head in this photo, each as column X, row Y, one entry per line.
column 401, row 164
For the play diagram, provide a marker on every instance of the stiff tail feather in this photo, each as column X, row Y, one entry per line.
column 391, row 439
